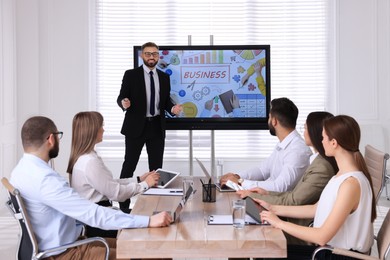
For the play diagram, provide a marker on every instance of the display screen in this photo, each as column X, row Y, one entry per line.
column 220, row 87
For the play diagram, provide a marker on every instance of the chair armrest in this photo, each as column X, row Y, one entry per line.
column 341, row 251
column 75, row 244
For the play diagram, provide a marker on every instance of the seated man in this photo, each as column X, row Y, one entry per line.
column 289, row 160
column 55, row 209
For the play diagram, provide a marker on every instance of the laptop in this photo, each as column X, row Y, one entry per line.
column 166, row 178
column 216, row 182
column 179, row 208
column 253, row 210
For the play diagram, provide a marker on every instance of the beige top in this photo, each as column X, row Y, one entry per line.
column 94, row 181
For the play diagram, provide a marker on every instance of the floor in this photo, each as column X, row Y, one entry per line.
column 9, row 230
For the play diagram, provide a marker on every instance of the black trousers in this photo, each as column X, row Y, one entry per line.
column 154, row 141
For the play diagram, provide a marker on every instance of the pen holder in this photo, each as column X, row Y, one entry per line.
column 209, row 192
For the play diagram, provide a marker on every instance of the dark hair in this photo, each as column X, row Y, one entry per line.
column 149, row 44
column 346, row 131
column 36, row 130
column 314, row 124
column 285, row 111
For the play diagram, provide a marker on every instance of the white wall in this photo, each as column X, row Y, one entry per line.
column 45, row 69
column 8, row 116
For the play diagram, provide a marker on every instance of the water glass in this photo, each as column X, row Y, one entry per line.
column 239, row 214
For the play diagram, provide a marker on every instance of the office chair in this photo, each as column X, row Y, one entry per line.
column 382, row 240
column 376, row 163
column 387, row 181
column 27, row 245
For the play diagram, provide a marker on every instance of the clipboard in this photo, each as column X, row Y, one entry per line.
column 228, row 220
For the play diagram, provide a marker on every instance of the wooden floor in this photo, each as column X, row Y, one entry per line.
column 9, row 230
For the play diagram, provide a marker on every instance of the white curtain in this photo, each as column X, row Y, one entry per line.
column 299, row 32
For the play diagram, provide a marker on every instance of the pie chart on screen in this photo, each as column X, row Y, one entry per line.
column 248, row 54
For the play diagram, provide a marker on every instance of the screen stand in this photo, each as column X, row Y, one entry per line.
column 191, row 149
column 213, row 171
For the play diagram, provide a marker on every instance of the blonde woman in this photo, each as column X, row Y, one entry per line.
column 88, row 174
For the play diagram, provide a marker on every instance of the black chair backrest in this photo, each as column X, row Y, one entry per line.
column 27, row 243
column 25, row 249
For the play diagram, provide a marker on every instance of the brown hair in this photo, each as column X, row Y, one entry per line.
column 85, row 128
column 149, row 44
column 346, row 131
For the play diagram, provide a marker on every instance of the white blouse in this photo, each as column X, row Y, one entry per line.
column 357, row 231
column 94, row 181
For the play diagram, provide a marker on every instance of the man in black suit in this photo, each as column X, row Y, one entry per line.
column 145, row 96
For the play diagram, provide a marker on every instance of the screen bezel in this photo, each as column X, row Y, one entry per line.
column 240, row 123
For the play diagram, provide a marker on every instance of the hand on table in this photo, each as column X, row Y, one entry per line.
column 229, row 176
column 162, row 219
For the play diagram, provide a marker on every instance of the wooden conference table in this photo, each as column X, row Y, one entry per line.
column 191, row 236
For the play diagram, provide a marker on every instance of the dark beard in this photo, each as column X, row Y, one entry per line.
column 53, row 153
column 272, row 130
column 150, row 63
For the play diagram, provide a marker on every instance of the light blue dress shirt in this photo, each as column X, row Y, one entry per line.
column 283, row 168
column 54, row 208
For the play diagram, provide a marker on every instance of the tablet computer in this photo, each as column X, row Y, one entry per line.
column 166, row 177
column 253, row 209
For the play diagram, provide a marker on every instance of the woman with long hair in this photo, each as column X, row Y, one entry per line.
column 308, row 189
column 344, row 214
column 90, row 177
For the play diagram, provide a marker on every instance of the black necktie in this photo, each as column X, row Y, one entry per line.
column 151, row 93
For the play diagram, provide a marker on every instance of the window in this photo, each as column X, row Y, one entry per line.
column 299, row 33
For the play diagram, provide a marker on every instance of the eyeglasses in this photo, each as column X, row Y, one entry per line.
column 59, row 134
column 150, row 54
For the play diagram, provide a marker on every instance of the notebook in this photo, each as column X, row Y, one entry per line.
column 225, row 99
column 216, row 182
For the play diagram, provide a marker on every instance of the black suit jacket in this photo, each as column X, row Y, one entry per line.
column 133, row 88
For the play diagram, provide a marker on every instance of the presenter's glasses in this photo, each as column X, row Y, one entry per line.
column 150, row 54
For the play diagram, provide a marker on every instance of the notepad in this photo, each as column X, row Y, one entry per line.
column 164, row 192
column 228, row 220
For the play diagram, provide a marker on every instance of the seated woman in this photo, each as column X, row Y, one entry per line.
column 88, row 174
column 316, row 176
column 344, row 215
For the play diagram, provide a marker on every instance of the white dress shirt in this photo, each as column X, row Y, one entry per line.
column 156, row 88
column 54, row 207
column 283, row 168
column 94, row 181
